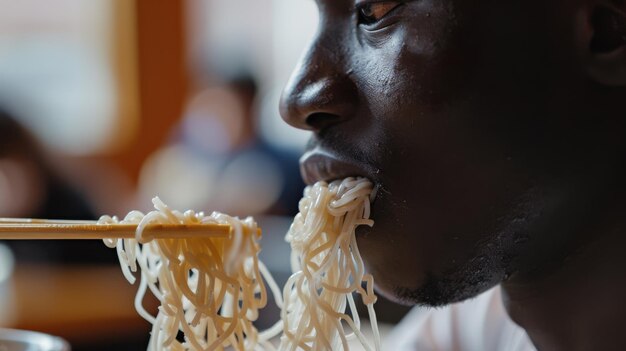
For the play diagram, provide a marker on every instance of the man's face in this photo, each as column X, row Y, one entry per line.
column 469, row 118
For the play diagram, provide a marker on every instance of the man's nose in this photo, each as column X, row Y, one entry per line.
column 320, row 92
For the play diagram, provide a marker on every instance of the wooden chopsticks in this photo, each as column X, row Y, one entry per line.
column 43, row 229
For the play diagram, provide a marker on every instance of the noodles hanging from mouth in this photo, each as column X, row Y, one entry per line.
column 327, row 269
column 210, row 289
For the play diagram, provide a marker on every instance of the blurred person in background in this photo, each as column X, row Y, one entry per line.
column 31, row 188
column 218, row 160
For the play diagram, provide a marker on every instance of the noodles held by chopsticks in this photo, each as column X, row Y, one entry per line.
column 210, row 289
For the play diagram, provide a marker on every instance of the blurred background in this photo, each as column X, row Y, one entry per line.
column 107, row 103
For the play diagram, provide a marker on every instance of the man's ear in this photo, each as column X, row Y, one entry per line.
column 607, row 42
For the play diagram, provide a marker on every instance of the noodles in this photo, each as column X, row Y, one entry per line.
column 328, row 269
column 210, row 289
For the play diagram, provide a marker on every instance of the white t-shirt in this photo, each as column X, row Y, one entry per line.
column 479, row 324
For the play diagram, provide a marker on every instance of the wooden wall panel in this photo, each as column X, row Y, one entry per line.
column 161, row 79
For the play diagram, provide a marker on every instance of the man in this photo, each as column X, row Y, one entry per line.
column 495, row 132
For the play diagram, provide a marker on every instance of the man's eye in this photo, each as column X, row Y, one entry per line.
column 371, row 13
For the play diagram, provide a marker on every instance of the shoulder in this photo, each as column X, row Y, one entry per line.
column 477, row 324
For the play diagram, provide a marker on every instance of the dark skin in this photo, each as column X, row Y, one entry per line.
column 494, row 131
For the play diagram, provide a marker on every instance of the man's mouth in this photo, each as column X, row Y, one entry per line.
column 319, row 164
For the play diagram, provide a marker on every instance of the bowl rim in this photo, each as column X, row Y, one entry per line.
column 46, row 341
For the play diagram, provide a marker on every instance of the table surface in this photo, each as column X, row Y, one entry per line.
column 77, row 303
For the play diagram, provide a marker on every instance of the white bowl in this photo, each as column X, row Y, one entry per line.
column 22, row 340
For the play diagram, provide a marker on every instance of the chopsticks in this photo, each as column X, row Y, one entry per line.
column 43, row 229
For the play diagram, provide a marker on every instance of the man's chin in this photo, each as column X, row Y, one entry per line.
column 435, row 291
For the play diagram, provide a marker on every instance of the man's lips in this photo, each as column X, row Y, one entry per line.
column 321, row 165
